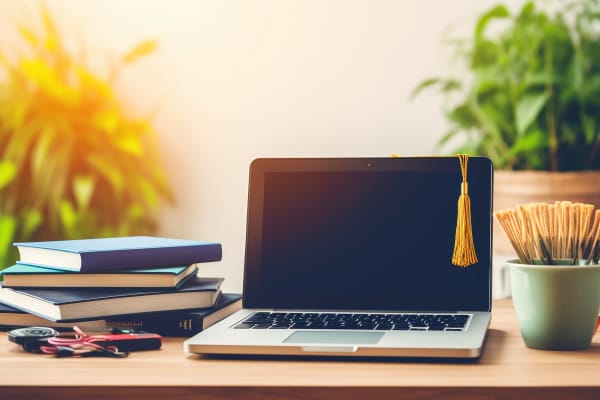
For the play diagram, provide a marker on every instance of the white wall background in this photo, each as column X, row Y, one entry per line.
column 233, row 80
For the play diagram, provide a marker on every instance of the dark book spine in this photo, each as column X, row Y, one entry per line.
column 149, row 258
column 182, row 325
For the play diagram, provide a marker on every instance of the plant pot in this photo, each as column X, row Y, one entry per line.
column 557, row 306
column 512, row 188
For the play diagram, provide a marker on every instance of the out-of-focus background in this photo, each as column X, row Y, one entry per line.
column 233, row 80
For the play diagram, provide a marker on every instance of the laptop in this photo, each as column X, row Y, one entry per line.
column 353, row 257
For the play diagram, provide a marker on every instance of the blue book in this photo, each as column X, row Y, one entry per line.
column 119, row 253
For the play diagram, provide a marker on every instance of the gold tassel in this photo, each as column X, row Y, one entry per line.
column 464, row 248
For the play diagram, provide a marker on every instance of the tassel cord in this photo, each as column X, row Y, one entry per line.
column 464, row 253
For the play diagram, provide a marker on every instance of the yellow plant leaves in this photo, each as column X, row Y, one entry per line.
column 29, row 36
column 31, row 220
column 130, row 143
column 89, row 83
column 141, row 50
column 48, row 82
column 83, row 188
column 106, row 121
column 8, row 170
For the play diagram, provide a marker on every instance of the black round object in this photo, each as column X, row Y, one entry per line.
column 22, row 335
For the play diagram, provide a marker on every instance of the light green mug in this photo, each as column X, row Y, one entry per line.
column 557, row 306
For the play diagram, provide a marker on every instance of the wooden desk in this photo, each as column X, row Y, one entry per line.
column 507, row 369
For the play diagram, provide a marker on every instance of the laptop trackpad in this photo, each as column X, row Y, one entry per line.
column 339, row 337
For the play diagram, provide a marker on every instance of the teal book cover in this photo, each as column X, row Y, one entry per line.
column 25, row 275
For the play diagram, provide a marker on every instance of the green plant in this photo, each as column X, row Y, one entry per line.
column 73, row 164
column 531, row 98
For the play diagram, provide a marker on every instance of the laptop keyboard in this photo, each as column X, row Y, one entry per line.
column 355, row 321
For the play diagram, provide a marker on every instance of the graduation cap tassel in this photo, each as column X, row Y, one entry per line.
column 464, row 248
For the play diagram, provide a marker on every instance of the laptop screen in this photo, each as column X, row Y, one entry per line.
column 365, row 234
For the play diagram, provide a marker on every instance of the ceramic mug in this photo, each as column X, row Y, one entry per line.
column 557, row 306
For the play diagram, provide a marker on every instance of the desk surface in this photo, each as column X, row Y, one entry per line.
column 507, row 368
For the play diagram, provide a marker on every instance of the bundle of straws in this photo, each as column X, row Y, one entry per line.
column 552, row 232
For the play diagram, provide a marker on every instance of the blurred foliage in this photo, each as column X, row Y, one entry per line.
column 531, row 97
column 72, row 163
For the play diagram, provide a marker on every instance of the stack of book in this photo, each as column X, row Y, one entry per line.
column 142, row 282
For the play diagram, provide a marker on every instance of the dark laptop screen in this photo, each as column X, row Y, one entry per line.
column 366, row 234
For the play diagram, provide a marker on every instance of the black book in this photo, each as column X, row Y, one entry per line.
column 11, row 318
column 180, row 323
column 73, row 304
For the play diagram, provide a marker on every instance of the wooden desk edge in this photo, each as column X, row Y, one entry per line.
column 304, row 392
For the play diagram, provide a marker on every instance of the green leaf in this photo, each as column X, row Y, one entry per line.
column 538, row 79
column 141, row 50
column 527, row 110
column 527, row 10
column 527, row 143
column 41, row 152
column 83, row 188
column 486, row 79
column 486, row 54
column 591, row 89
column 18, row 113
column 149, row 192
column 446, row 138
column 423, row 85
column 577, row 71
column 589, row 129
column 136, row 212
column 462, row 116
column 106, row 169
column 569, row 135
column 499, row 11
column 451, row 85
column 8, row 226
column 68, row 215
column 8, row 171
column 31, row 221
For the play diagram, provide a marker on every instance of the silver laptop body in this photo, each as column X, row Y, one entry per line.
column 352, row 257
